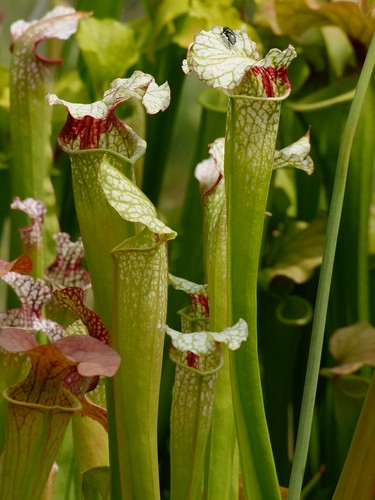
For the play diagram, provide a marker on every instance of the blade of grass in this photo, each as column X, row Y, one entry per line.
column 312, row 371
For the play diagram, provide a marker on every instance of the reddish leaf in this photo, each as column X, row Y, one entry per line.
column 94, row 411
column 69, row 362
column 17, row 340
column 22, row 264
column 43, row 385
column 73, row 298
column 92, row 356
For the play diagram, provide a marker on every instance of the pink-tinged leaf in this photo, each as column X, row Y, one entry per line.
column 17, row 341
column 44, row 402
column 73, row 298
column 61, row 22
column 43, row 385
column 31, row 236
column 51, row 364
column 92, row 356
column 22, row 264
column 33, row 295
column 38, row 411
column 67, row 268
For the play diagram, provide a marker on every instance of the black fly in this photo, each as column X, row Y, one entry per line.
column 229, row 34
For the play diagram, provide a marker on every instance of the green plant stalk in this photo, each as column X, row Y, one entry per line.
column 24, row 474
column 101, row 230
column 87, row 138
column 193, row 396
column 90, row 133
column 186, row 254
column 312, row 371
column 30, row 125
column 90, row 443
column 101, row 227
column 95, row 483
column 148, row 296
column 249, row 154
column 31, row 78
column 67, row 481
column 91, row 455
column 140, row 305
column 39, row 410
column 221, row 464
column 41, row 405
column 185, row 257
column 198, row 359
column 12, row 370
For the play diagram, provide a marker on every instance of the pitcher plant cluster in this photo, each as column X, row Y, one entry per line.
column 121, row 377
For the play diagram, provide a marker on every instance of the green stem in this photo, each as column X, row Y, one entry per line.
column 193, row 395
column 30, row 124
column 115, row 478
column 140, row 305
column 312, row 371
column 95, row 215
column 249, row 154
column 28, row 456
column 222, row 464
